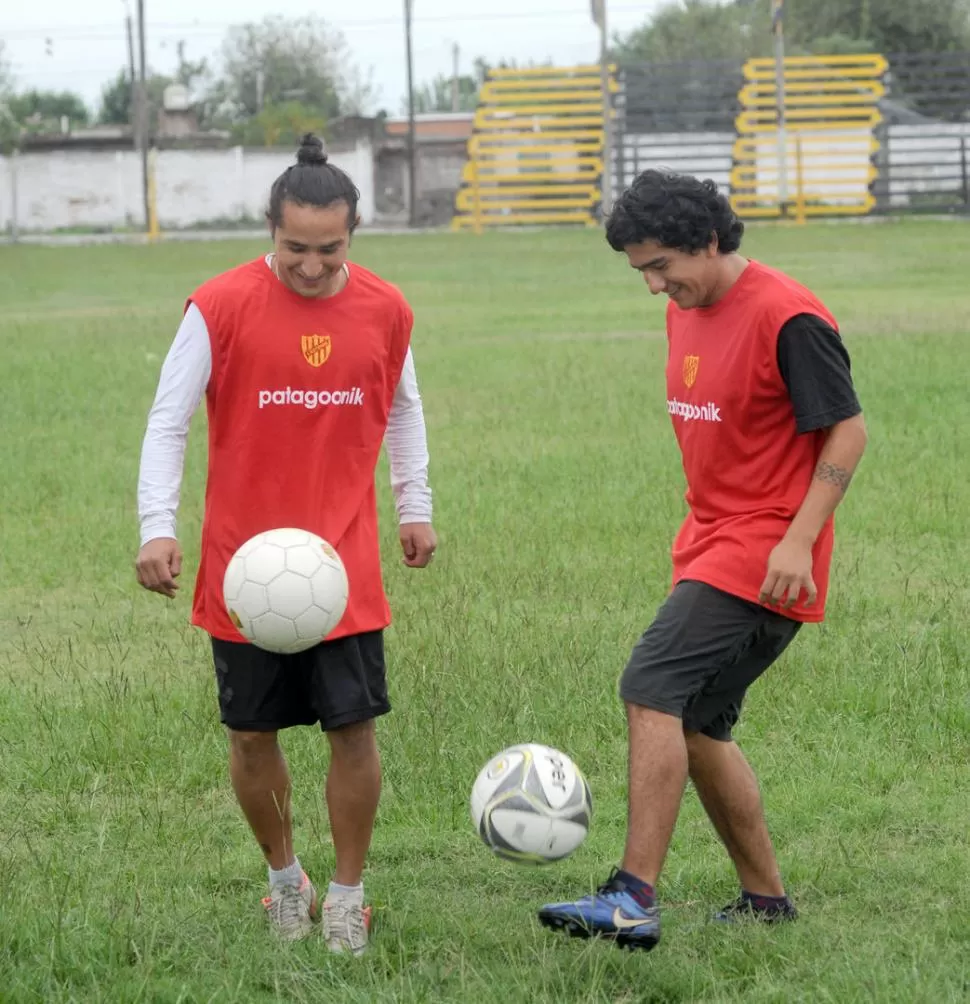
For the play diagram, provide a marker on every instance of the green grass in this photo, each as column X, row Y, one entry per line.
column 127, row 872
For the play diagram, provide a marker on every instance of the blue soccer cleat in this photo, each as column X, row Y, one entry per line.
column 611, row 912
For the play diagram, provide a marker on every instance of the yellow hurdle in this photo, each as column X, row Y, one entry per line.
column 536, row 152
column 822, row 163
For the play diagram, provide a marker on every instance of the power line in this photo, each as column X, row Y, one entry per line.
column 94, row 32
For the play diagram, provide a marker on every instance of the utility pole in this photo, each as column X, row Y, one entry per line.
column 412, row 165
column 455, row 95
column 17, row 131
column 777, row 29
column 143, row 112
column 132, row 72
column 600, row 20
column 134, row 93
column 14, row 172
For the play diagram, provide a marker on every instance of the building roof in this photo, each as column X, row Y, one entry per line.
column 433, row 125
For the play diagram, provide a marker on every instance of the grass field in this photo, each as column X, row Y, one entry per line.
column 127, row 872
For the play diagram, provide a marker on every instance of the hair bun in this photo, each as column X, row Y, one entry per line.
column 311, row 150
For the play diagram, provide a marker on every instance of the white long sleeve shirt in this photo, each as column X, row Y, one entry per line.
column 181, row 386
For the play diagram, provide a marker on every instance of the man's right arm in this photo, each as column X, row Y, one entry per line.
column 183, row 380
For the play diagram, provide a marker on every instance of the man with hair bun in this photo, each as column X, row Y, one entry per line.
column 337, row 338
column 770, row 430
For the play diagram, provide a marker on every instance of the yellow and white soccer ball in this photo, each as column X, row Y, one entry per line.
column 285, row 590
column 531, row 803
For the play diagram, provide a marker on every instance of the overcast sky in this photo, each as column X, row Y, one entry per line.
column 79, row 46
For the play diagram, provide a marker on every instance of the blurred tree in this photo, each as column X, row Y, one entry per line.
column 706, row 29
column 43, row 110
column 437, row 95
column 280, row 61
column 6, row 75
column 116, row 96
column 117, row 103
column 279, row 125
column 698, row 29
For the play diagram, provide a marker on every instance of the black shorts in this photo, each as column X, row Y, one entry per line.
column 700, row 655
column 335, row 683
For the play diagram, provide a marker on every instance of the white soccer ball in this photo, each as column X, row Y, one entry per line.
column 531, row 803
column 285, row 590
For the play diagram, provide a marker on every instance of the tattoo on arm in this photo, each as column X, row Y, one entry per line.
column 833, row 475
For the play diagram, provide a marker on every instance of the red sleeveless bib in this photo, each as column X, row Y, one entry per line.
column 298, row 403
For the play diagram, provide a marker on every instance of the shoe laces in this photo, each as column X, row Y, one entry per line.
column 286, row 906
column 345, row 921
column 611, row 885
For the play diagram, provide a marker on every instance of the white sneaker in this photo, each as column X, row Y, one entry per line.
column 346, row 923
column 292, row 910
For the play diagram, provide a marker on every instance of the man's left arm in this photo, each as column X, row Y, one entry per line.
column 406, row 442
column 815, row 366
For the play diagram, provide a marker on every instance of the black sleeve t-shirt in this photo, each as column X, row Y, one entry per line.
column 815, row 366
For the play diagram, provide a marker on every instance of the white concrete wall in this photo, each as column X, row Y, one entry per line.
column 103, row 189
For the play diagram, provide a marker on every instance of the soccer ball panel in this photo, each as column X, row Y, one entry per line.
column 556, row 776
column 246, row 549
column 526, row 833
column 275, row 632
column 251, row 600
column 329, row 586
column 265, row 563
column 235, row 578
column 314, row 624
column 501, row 772
column 290, row 595
column 288, row 536
column 305, row 561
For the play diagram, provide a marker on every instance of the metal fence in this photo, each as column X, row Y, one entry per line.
column 925, row 134
column 684, row 116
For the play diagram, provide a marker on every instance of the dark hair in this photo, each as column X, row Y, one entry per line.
column 312, row 181
column 675, row 210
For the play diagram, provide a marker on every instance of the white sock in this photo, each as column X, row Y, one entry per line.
column 290, row 875
column 351, row 891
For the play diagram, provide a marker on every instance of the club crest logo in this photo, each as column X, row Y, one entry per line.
column 691, row 363
column 316, row 348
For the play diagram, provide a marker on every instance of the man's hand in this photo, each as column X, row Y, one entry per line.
column 159, row 564
column 418, row 542
column 789, row 571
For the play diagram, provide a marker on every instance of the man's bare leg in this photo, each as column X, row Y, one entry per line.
column 729, row 792
column 353, row 793
column 658, row 775
column 262, row 784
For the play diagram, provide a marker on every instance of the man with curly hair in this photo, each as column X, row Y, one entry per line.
column 770, row 429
